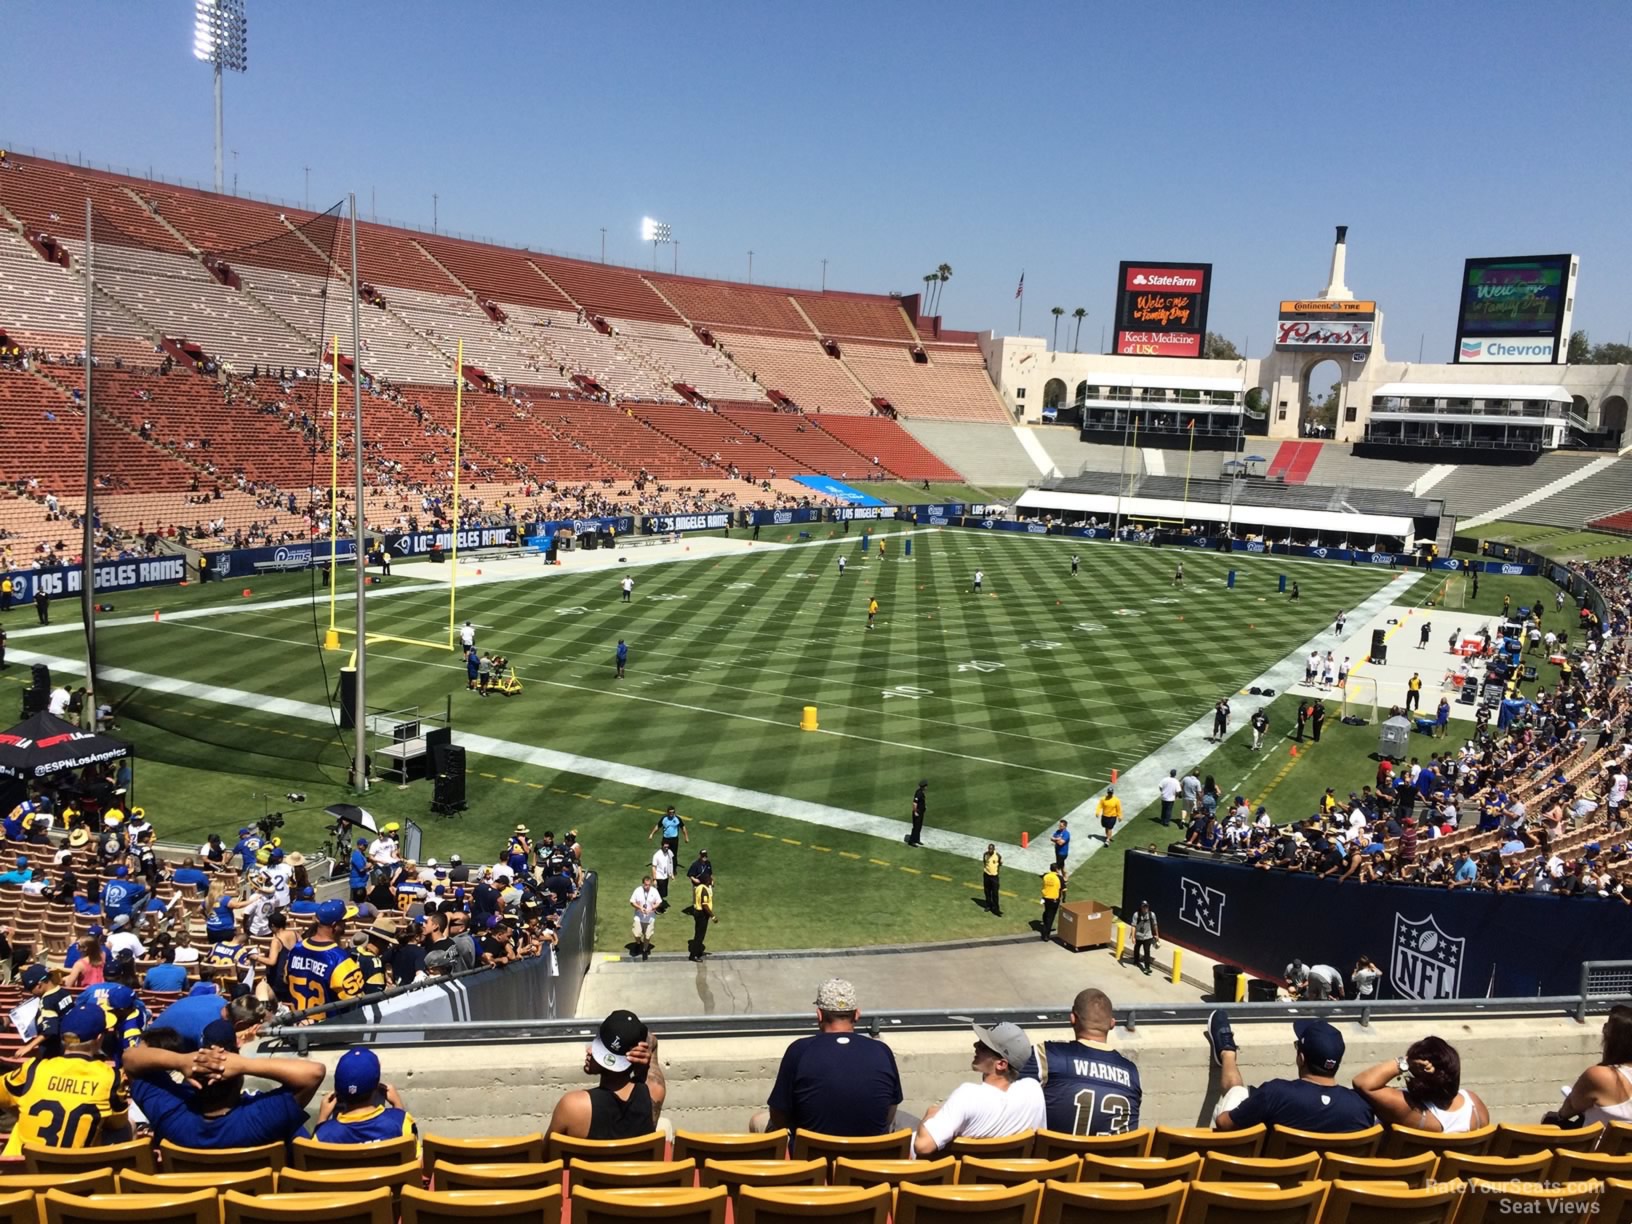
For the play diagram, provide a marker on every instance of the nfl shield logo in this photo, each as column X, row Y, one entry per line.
column 1427, row 963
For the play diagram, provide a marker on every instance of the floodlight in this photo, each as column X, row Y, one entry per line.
column 654, row 231
column 221, row 39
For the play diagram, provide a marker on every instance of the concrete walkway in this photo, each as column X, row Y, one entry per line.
column 1009, row 972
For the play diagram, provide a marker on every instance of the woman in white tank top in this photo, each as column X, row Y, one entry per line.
column 1604, row 1091
column 1432, row 1099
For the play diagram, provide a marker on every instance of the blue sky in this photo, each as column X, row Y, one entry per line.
column 890, row 137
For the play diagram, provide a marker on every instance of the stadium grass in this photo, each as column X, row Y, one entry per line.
column 1016, row 704
column 1560, row 543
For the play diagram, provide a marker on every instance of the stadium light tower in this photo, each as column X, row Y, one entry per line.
column 220, row 38
column 655, row 232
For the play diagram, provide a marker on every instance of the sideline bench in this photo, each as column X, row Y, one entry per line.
column 646, row 541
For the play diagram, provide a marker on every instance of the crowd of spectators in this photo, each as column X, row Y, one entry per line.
column 1531, row 804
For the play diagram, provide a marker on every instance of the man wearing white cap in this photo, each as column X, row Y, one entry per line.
column 628, row 1100
column 1000, row 1104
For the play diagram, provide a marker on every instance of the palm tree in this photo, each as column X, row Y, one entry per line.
column 944, row 274
column 1059, row 313
column 929, row 293
column 1079, row 314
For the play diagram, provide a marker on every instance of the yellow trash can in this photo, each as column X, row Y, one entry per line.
column 808, row 722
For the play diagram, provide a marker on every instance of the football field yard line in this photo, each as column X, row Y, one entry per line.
column 700, row 709
column 819, row 814
column 1190, row 745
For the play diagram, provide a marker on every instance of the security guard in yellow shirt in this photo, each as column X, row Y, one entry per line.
column 1053, row 886
column 1109, row 812
column 990, row 864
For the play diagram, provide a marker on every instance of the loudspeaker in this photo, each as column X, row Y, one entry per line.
column 34, row 701
column 42, row 677
column 449, row 764
column 1379, row 646
column 346, row 691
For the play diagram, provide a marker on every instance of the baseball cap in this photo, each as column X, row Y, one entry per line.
column 620, row 1032
column 84, row 1023
column 245, row 831
column 95, row 931
column 34, row 975
column 121, row 921
column 836, row 995
column 455, row 859
column 307, row 893
column 331, row 912
column 1008, row 1040
column 357, row 1074
column 22, row 861
column 1322, row 1046
column 362, row 841
column 121, row 870
column 219, row 1034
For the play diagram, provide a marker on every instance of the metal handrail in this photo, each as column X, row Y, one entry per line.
column 1360, row 1011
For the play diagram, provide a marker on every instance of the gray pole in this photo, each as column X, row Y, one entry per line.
column 824, row 276
column 218, row 140
column 1121, row 469
column 359, row 769
column 603, row 244
column 87, row 576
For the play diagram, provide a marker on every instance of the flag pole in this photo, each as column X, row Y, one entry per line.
column 1020, row 293
column 87, row 559
column 1188, row 460
column 331, row 639
column 458, row 435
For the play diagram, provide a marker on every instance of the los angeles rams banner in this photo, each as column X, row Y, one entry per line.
column 1429, row 943
column 109, row 576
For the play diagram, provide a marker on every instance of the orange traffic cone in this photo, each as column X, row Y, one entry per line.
column 155, row 614
column 1025, row 839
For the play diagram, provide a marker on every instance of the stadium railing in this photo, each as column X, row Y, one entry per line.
column 1603, row 984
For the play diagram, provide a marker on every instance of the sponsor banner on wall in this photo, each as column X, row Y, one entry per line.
column 413, row 544
column 656, row 524
column 244, row 562
column 1430, row 944
column 1316, row 308
column 1161, row 308
column 841, row 513
column 1308, row 334
column 107, row 576
column 780, row 518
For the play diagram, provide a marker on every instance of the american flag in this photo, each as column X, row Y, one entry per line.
column 1020, row 289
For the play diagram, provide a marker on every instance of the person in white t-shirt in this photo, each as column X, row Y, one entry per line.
column 58, row 703
column 628, row 585
column 1000, row 1104
column 645, row 901
column 467, row 637
column 1168, row 790
column 662, row 872
column 123, row 939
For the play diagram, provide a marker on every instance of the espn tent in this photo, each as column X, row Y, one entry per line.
column 45, row 745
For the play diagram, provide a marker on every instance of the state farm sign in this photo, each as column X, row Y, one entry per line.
column 1302, row 334
column 1186, row 280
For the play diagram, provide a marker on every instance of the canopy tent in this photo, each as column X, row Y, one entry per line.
column 45, row 745
column 1105, row 505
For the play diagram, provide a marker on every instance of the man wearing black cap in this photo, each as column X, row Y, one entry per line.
column 1312, row 1102
column 319, row 970
column 919, row 806
column 701, row 871
column 54, row 1005
column 628, row 1100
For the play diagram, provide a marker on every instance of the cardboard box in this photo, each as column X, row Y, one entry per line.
column 1086, row 924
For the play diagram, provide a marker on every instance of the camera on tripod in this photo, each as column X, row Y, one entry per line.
column 269, row 824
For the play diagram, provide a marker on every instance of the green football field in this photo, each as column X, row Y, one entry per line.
column 1016, row 704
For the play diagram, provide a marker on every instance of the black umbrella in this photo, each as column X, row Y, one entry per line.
column 45, row 745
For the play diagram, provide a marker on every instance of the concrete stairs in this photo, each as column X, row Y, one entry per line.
column 817, row 332
column 163, row 222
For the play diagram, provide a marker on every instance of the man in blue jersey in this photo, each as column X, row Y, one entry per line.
column 358, row 869
column 1088, row 1088
column 122, row 895
column 361, row 1109
column 249, row 845
column 319, row 970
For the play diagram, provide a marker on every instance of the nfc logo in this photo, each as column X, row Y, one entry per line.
column 1201, row 906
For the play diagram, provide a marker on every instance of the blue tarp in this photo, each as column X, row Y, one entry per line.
column 829, row 487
